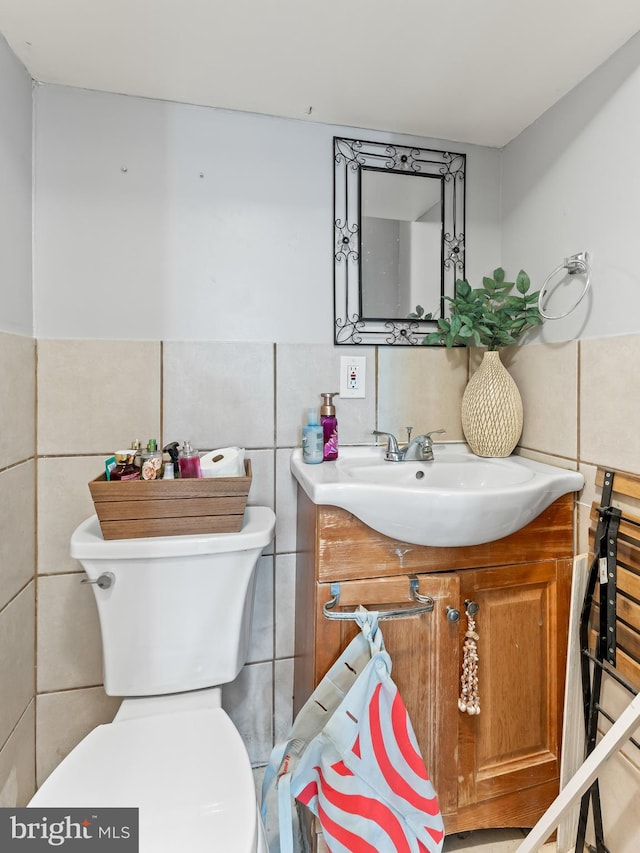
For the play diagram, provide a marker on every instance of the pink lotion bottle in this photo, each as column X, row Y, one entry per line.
column 329, row 424
column 189, row 462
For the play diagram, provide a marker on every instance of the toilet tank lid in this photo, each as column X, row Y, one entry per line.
column 257, row 532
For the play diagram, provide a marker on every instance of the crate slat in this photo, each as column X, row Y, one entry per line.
column 186, row 525
column 170, row 508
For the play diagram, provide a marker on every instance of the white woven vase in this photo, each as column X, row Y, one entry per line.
column 492, row 409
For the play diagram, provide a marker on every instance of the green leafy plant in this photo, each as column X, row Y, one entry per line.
column 489, row 316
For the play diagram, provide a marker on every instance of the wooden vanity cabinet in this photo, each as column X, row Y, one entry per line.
column 500, row 768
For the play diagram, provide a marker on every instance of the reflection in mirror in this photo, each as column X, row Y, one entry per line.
column 399, row 239
column 400, row 243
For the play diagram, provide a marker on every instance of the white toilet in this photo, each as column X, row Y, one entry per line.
column 175, row 615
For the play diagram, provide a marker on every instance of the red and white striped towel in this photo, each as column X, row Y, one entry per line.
column 354, row 760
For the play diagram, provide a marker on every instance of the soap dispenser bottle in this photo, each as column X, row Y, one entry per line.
column 312, row 439
column 189, row 462
column 329, row 426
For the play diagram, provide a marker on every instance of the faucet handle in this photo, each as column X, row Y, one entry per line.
column 433, row 432
column 393, row 452
column 392, row 443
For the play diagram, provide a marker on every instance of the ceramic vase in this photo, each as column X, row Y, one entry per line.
column 492, row 409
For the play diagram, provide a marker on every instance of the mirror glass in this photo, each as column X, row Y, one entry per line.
column 399, row 239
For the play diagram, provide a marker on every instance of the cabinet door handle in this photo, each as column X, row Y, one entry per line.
column 453, row 614
column 472, row 607
column 426, row 605
column 414, row 592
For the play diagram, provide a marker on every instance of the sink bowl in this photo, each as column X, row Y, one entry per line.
column 458, row 499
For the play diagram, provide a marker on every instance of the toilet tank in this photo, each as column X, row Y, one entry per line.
column 176, row 615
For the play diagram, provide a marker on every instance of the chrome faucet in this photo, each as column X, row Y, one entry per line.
column 418, row 449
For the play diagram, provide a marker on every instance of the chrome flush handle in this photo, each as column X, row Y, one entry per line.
column 105, row 581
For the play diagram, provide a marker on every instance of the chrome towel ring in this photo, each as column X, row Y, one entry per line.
column 574, row 265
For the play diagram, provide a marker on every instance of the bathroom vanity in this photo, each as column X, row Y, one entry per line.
column 497, row 769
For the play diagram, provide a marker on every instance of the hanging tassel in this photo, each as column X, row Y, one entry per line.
column 469, row 701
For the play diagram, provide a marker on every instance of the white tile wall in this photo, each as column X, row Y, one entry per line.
column 96, row 396
column 283, row 698
column 306, row 371
column 610, row 402
column 249, row 702
column 17, row 529
column 218, row 394
column 286, row 501
column 17, row 760
column 64, row 500
column 63, row 719
column 16, row 662
column 17, row 391
column 17, row 567
column 69, row 647
column 285, row 605
column 421, row 387
column 547, row 377
column 262, row 627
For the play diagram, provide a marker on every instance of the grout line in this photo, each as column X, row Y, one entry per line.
column 578, row 403
column 31, row 701
column 62, row 573
column 162, row 430
column 103, row 453
column 548, row 453
column 274, row 496
column 18, row 594
column 74, row 689
column 17, row 464
column 36, row 557
column 577, row 513
column 376, row 387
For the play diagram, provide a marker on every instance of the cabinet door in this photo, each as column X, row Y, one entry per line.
column 514, row 744
column 424, row 655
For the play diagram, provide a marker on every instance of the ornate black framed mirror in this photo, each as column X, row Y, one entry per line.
column 399, row 225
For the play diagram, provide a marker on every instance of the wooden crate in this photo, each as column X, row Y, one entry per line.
column 133, row 509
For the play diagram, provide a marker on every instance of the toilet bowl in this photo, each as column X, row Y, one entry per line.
column 185, row 768
column 175, row 617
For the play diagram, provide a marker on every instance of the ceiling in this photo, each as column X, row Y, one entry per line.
column 475, row 71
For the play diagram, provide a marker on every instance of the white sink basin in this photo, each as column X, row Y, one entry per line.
column 458, row 499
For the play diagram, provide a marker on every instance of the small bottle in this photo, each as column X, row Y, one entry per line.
column 189, row 462
column 172, row 468
column 329, row 426
column 151, row 461
column 125, row 469
column 135, row 447
column 312, row 439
